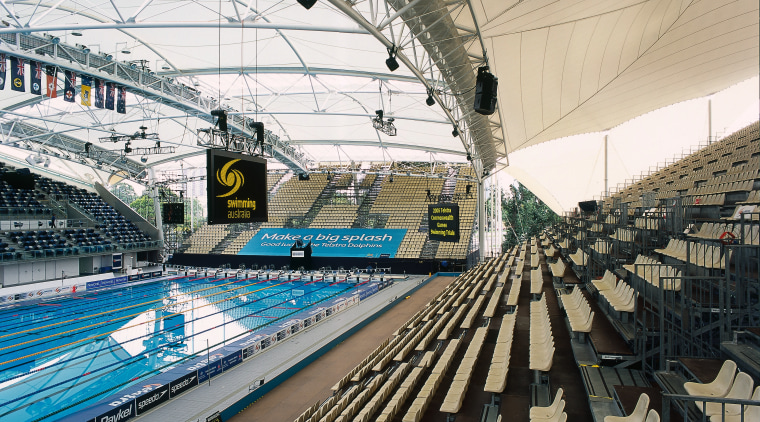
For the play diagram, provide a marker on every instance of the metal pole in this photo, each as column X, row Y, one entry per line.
column 606, row 189
column 481, row 221
column 709, row 121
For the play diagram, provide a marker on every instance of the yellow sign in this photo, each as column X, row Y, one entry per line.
column 230, row 178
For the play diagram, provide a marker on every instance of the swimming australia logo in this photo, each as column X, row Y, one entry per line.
column 227, row 177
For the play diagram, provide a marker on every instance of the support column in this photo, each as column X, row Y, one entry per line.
column 481, row 220
column 709, row 121
column 156, row 205
column 606, row 189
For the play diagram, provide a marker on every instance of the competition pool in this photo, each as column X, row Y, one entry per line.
column 61, row 355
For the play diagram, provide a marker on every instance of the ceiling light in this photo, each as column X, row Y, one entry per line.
column 455, row 132
column 76, row 33
column 391, row 60
column 125, row 51
column 307, row 3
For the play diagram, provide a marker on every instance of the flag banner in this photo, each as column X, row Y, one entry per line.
column 52, row 81
column 121, row 101
column 70, row 87
column 36, row 75
column 110, row 94
column 2, row 70
column 17, row 74
column 85, row 91
column 99, row 93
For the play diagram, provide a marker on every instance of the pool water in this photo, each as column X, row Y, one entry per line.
column 59, row 356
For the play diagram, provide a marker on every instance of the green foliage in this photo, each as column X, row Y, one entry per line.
column 143, row 205
column 524, row 215
column 125, row 192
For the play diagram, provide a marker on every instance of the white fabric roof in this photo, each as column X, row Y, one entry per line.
column 315, row 77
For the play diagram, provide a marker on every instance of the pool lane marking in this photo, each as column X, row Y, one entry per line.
column 108, row 333
column 117, row 319
column 130, row 306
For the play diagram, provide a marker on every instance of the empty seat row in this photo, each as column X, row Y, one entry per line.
column 499, row 368
column 541, row 350
column 655, row 273
column 455, row 395
column 579, row 258
column 700, row 254
column 578, row 311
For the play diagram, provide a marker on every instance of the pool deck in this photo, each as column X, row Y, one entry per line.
column 313, row 382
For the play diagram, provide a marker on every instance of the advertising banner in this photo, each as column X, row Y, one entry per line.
column 360, row 243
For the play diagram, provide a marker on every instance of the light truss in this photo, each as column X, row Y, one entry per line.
column 144, row 83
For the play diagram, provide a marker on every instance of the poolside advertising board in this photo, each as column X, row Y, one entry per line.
column 359, row 243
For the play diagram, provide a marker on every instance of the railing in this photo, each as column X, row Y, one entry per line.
column 684, row 401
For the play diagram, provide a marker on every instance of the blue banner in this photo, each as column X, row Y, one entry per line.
column 360, row 243
column 91, row 285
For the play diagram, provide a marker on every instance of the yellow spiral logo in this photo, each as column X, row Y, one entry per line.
column 227, row 177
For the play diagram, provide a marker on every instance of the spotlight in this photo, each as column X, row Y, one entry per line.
column 144, row 159
column 127, row 148
column 430, row 100
column 307, row 3
column 391, row 178
column 379, row 114
column 469, row 157
column 455, row 132
column 222, row 119
column 391, row 60
column 125, row 51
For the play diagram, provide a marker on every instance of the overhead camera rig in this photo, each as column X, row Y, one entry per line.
column 385, row 126
column 142, row 134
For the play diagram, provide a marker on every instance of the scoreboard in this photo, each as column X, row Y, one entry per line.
column 443, row 222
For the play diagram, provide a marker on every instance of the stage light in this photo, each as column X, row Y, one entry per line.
column 390, row 180
column 391, row 60
column 455, row 132
column 379, row 114
column 469, row 157
column 430, row 100
column 307, row 3
column 221, row 119
column 144, row 159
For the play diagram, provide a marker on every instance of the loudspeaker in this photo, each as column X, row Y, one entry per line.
column 587, row 206
column 485, row 92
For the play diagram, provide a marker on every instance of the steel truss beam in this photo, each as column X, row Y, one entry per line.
column 144, row 83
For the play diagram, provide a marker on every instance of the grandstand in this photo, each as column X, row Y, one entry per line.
column 366, row 127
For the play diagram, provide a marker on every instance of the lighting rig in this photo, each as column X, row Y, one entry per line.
column 99, row 154
column 385, row 126
column 218, row 136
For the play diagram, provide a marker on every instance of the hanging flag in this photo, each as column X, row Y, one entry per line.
column 85, row 91
column 70, row 87
column 99, row 93
column 2, row 70
column 121, row 101
column 36, row 75
column 17, row 74
column 52, row 81
column 110, row 94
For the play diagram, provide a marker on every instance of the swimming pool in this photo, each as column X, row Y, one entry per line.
column 61, row 355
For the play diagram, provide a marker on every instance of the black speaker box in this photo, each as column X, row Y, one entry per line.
column 587, row 206
column 485, row 92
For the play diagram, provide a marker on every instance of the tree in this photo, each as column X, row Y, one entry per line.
column 125, row 192
column 524, row 215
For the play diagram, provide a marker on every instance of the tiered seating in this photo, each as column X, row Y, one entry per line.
column 579, row 258
column 497, row 372
column 239, row 242
column 624, row 235
column 559, row 269
column 621, row 297
column 453, row 400
column 653, row 272
column 541, row 338
column 752, row 198
column 749, row 413
column 602, row 247
column 421, row 403
column 578, row 311
column 714, row 231
column 700, row 254
column 294, row 198
column 553, row 412
column 639, row 413
column 536, row 281
column 718, row 387
column 206, row 237
column 335, row 216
